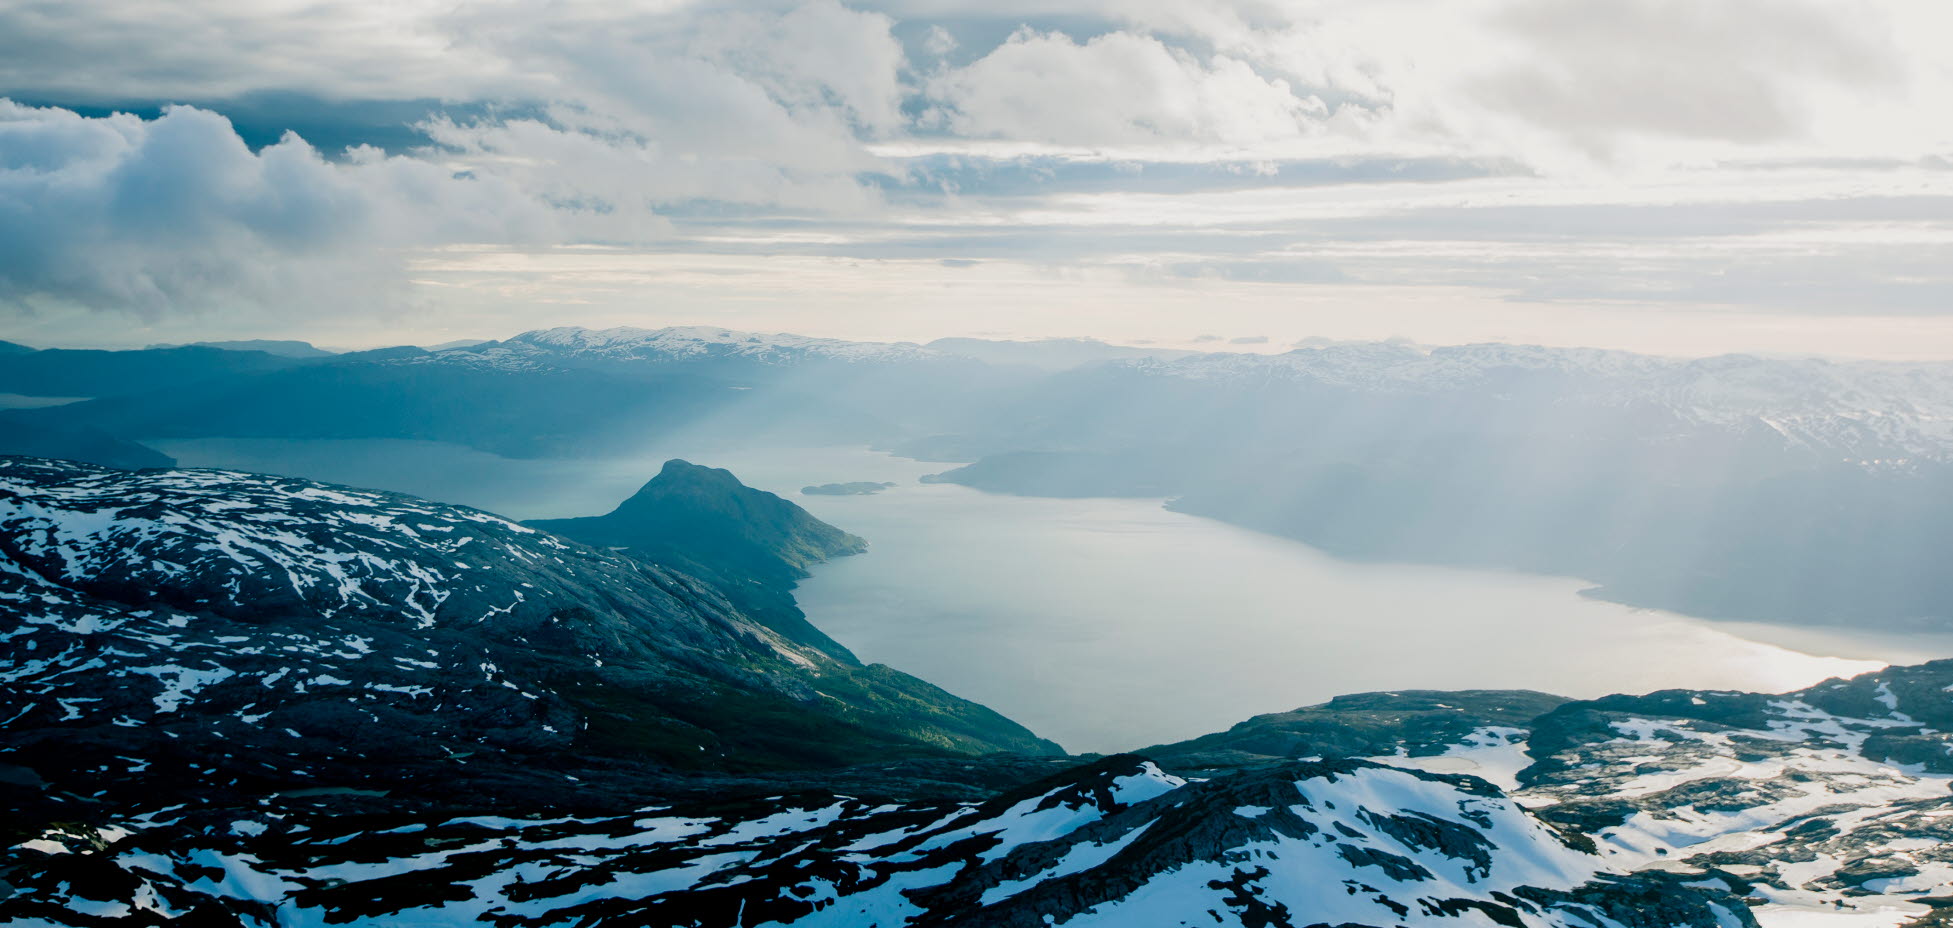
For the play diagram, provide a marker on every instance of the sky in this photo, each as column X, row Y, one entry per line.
column 1673, row 176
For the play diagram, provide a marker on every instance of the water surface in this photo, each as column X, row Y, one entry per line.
column 1111, row 624
column 22, row 401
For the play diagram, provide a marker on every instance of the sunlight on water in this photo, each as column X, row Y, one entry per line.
column 1111, row 624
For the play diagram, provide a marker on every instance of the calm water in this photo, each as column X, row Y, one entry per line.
column 1111, row 624
column 18, row 401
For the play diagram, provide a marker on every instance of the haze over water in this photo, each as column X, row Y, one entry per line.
column 1111, row 624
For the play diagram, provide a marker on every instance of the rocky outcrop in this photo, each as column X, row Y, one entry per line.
column 1117, row 842
column 223, row 634
column 751, row 544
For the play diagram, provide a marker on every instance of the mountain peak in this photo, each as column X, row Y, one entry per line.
column 703, row 521
column 683, row 493
column 705, row 343
column 679, row 472
column 287, row 630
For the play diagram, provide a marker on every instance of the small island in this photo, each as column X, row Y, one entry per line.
column 857, row 488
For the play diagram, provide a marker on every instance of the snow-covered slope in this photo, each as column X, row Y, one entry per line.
column 1828, row 806
column 236, row 699
column 1838, row 798
column 575, row 345
column 1116, row 843
column 1865, row 408
column 243, row 629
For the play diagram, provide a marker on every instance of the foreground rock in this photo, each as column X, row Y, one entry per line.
column 235, row 699
column 1119, row 842
column 229, row 634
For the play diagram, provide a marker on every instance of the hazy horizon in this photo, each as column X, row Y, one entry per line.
column 1926, row 351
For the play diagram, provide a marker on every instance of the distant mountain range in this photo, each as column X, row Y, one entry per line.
column 241, row 699
column 282, row 347
column 1693, row 485
column 1871, row 412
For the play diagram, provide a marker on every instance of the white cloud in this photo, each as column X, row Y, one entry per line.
column 648, row 108
column 1233, row 141
column 113, row 50
column 1117, row 89
column 1740, row 71
column 643, row 109
column 176, row 212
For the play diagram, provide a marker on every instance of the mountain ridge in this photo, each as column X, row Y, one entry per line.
column 177, row 743
column 243, row 623
column 752, row 544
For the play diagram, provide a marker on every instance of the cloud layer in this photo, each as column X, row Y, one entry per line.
column 156, row 215
column 1541, row 150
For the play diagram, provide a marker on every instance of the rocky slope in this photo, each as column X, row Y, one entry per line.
column 248, row 634
column 78, row 372
column 1835, row 800
column 752, row 545
column 235, row 699
column 1117, row 842
column 77, row 444
column 1837, row 795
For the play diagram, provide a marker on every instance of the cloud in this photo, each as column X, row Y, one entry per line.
column 175, row 212
column 1114, row 89
column 1731, row 152
column 1248, row 340
column 1741, row 71
column 95, row 51
column 641, row 115
column 768, row 108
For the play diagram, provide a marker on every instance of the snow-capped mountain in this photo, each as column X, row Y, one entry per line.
column 1864, row 408
column 1840, row 795
column 162, row 625
column 237, row 699
column 1836, row 799
column 680, row 345
column 1115, row 843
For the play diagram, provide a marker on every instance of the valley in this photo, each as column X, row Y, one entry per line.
column 1015, row 684
column 1067, row 614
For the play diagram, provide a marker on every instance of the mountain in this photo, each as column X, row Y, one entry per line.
column 76, row 372
column 88, row 445
column 702, row 342
column 1408, row 724
column 1862, row 409
column 284, row 348
column 12, row 348
column 399, row 393
column 238, row 699
column 1736, row 488
column 219, row 632
column 749, row 543
column 704, row 514
column 556, row 391
column 1835, row 798
column 1054, row 354
column 1682, row 808
column 1117, row 842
